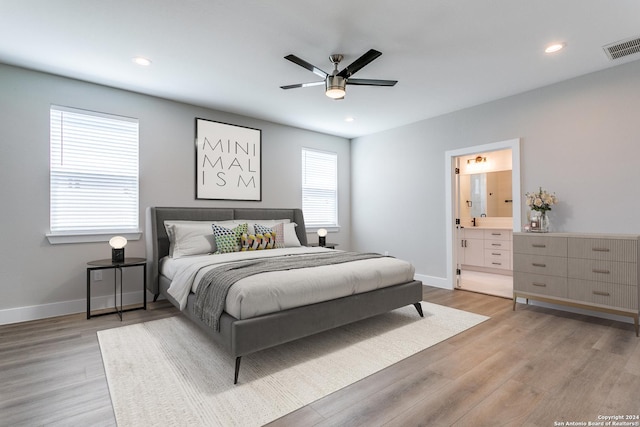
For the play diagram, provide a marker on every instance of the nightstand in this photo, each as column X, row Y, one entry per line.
column 104, row 264
column 327, row 245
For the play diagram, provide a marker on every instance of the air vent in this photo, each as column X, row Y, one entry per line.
column 623, row 48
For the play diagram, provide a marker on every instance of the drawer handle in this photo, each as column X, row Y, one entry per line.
column 542, row 285
column 595, row 270
column 496, row 263
column 493, row 253
column 538, row 245
column 600, row 249
column 496, row 244
column 535, row 264
column 496, row 234
column 604, row 294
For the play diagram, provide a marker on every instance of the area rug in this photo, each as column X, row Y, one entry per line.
column 167, row 372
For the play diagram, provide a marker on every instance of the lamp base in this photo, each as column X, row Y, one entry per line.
column 322, row 241
column 117, row 255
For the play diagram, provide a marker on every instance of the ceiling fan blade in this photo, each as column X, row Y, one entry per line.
column 305, row 64
column 302, row 85
column 371, row 82
column 359, row 63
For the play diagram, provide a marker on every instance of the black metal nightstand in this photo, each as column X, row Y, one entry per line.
column 104, row 264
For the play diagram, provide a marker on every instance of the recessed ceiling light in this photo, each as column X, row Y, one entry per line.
column 554, row 47
column 142, row 61
column 349, row 119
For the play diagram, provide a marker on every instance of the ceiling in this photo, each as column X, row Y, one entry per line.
column 228, row 55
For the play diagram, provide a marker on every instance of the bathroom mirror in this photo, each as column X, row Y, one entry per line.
column 486, row 194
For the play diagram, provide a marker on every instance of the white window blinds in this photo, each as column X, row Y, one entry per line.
column 93, row 173
column 319, row 188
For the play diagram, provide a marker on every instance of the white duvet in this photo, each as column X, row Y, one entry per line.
column 280, row 290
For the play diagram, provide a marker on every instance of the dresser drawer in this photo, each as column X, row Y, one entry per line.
column 497, row 235
column 496, row 258
column 552, row 286
column 540, row 245
column 624, row 273
column 604, row 249
column 609, row 294
column 537, row 264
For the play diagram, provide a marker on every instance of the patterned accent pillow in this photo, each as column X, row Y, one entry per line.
column 277, row 231
column 228, row 240
column 257, row 242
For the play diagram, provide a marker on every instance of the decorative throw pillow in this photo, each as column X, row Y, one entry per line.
column 257, row 242
column 246, row 242
column 228, row 240
column 276, row 231
column 265, row 222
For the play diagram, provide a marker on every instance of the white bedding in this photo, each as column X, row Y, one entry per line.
column 280, row 290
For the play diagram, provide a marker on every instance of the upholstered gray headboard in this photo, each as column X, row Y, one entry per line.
column 157, row 241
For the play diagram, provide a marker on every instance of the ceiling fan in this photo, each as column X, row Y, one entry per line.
column 336, row 81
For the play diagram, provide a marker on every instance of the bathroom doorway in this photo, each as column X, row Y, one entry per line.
column 485, row 210
column 485, row 217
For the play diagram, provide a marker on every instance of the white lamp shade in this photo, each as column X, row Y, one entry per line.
column 118, row 242
column 335, row 93
column 322, row 232
column 335, row 86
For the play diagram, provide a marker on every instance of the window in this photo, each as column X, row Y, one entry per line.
column 93, row 173
column 319, row 188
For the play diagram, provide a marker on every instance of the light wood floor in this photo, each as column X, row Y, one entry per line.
column 531, row 367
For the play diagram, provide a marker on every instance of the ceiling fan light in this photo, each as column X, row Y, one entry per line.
column 335, row 93
column 335, row 87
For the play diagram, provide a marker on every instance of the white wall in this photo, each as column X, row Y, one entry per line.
column 38, row 279
column 580, row 139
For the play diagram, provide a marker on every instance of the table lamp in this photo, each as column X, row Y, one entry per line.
column 322, row 237
column 117, row 244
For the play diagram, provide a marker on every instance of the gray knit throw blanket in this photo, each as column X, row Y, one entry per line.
column 215, row 284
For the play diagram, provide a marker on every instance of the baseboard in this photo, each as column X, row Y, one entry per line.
column 43, row 311
column 438, row 282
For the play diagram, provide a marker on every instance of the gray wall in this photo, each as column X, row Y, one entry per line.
column 580, row 139
column 52, row 278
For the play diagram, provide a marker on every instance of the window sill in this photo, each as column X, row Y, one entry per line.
column 98, row 236
column 329, row 228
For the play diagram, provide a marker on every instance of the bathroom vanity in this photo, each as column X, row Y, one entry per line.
column 489, row 248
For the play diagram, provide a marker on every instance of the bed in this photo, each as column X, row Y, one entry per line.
column 242, row 336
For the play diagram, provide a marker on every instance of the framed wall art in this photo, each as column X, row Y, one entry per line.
column 228, row 161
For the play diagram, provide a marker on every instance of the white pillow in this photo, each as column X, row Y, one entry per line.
column 192, row 237
column 290, row 236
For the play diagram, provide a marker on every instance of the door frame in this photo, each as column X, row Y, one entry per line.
column 450, row 177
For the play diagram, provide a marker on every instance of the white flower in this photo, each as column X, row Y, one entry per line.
column 541, row 201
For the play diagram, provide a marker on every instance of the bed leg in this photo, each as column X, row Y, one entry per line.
column 419, row 308
column 155, row 297
column 235, row 378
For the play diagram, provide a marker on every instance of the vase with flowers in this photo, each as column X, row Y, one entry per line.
column 540, row 202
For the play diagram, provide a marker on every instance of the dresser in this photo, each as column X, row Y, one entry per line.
column 592, row 271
